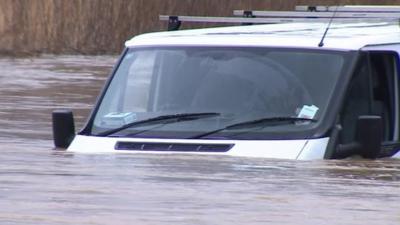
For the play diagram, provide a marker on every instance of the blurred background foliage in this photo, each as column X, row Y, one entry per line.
column 102, row 26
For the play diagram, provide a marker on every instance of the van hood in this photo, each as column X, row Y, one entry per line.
column 279, row 149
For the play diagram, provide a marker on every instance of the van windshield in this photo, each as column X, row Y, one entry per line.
column 160, row 92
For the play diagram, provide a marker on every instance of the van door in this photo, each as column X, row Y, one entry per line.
column 373, row 90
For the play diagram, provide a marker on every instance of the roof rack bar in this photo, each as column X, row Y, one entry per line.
column 350, row 8
column 174, row 22
column 317, row 14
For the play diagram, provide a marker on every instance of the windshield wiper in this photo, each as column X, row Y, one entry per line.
column 256, row 123
column 174, row 118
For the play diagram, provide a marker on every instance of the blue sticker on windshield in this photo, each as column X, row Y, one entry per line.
column 116, row 119
column 308, row 112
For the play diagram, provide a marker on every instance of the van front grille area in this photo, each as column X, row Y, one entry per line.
column 172, row 147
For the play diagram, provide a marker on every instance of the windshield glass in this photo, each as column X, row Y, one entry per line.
column 236, row 84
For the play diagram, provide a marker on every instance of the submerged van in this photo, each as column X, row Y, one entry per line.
column 286, row 85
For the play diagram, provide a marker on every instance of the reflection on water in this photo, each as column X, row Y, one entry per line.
column 41, row 186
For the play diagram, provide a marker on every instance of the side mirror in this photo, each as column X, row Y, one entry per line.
column 369, row 135
column 368, row 140
column 63, row 128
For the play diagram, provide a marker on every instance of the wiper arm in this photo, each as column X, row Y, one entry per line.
column 173, row 117
column 256, row 123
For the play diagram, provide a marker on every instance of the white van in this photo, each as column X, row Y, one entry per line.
column 302, row 85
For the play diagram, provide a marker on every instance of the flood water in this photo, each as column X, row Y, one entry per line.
column 41, row 186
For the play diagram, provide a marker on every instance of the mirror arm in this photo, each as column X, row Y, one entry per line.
column 347, row 150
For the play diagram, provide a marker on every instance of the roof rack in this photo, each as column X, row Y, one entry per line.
column 318, row 14
column 350, row 8
column 343, row 14
column 174, row 22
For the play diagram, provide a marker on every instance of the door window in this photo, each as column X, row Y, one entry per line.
column 373, row 90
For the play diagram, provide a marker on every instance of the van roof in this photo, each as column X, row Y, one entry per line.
column 341, row 36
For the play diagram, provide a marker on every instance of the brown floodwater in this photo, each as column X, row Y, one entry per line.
column 41, row 186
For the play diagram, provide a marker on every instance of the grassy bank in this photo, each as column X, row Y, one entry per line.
column 102, row 26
